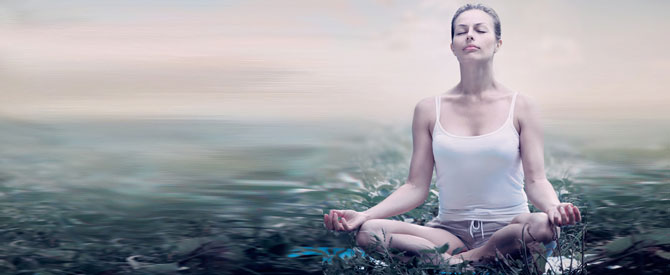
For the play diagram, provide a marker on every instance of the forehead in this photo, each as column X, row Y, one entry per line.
column 473, row 17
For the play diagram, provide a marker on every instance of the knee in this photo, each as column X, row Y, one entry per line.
column 540, row 228
column 368, row 230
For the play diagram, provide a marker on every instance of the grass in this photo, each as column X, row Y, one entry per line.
column 250, row 227
column 623, row 228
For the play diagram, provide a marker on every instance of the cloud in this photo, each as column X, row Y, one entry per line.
column 557, row 51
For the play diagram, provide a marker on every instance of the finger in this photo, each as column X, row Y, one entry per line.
column 330, row 222
column 334, row 220
column 574, row 214
column 575, row 211
column 340, row 227
column 579, row 215
column 571, row 214
column 330, row 219
column 340, row 214
column 325, row 221
column 564, row 216
column 557, row 219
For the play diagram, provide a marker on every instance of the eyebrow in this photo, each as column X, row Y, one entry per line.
column 464, row 25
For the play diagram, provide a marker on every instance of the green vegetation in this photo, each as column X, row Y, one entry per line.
column 78, row 202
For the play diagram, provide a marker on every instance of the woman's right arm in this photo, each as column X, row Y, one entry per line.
column 409, row 195
column 415, row 190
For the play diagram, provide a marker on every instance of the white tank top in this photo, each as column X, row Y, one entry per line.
column 479, row 177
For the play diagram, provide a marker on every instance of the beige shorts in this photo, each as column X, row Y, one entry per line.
column 473, row 233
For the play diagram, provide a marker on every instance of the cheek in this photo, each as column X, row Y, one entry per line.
column 490, row 42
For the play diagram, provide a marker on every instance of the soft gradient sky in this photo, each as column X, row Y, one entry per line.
column 308, row 59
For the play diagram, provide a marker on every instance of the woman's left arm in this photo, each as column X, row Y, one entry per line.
column 539, row 190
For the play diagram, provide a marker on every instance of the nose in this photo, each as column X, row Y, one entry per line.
column 469, row 36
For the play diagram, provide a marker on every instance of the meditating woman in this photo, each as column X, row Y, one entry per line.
column 486, row 145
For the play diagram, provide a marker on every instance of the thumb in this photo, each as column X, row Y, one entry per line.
column 346, row 225
column 556, row 218
column 552, row 219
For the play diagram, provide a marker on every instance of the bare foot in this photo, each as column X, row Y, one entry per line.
column 455, row 261
column 452, row 260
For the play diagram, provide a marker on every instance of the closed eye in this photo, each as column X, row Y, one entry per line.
column 463, row 32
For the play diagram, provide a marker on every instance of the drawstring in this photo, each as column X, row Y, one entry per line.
column 479, row 226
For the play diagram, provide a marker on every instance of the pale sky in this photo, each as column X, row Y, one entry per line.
column 288, row 60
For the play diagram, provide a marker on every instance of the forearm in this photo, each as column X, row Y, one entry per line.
column 405, row 198
column 541, row 194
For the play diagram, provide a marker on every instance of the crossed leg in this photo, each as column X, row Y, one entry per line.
column 406, row 237
column 537, row 226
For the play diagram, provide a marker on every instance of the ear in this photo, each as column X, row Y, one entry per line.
column 498, row 46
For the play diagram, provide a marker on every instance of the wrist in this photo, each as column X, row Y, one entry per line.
column 551, row 206
column 366, row 215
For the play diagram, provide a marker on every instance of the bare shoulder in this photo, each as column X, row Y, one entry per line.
column 527, row 112
column 426, row 104
column 424, row 111
column 525, row 105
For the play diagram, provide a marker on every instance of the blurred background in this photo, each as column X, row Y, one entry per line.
column 297, row 60
column 153, row 128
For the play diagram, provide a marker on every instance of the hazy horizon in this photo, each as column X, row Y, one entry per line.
column 296, row 60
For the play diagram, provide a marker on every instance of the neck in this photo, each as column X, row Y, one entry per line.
column 476, row 78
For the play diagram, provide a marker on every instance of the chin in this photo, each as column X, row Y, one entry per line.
column 473, row 59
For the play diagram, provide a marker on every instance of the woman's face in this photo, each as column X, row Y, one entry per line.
column 474, row 27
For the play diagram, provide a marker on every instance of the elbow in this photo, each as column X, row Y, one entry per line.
column 535, row 181
column 419, row 192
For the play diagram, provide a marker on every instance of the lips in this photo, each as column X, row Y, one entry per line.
column 470, row 47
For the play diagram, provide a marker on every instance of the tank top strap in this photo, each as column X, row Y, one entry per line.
column 510, row 116
column 438, row 101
